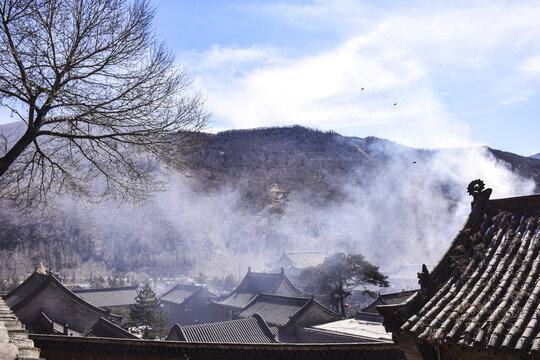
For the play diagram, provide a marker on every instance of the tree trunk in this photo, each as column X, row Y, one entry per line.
column 15, row 151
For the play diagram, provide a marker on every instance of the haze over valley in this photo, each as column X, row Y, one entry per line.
column 246, row 195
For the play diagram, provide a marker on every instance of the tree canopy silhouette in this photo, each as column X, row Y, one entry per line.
column 336, row 273
column 146, row 314
column 96, row 96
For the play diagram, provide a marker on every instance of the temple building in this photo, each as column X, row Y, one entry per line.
column 189, row 305
column 45, row 306
column 482, row 300
column 110, row 298
column 289, row 315
column 251, row 286
column 295, row 261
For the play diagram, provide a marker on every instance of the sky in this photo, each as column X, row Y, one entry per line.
column 427, row 74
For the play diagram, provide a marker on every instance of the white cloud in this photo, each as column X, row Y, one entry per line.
column 395, row 61
column 530, row 66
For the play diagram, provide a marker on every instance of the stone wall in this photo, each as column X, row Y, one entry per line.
column 76, row 348
column 14, row 342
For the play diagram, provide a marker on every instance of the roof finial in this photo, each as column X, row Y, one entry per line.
column 477, row 191
column 249, row 269
column 282, row 270
column 424, row 279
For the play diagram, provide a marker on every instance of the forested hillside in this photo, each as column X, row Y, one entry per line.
column 249, row 194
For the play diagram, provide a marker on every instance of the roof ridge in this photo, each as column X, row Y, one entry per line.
column 77, row 291
column 28, row 279
column 295, row 289
column 283, row 296
column 31, row 295
column 51, row 280
column 307, row 305
column 175, row 288
column 265, row 327
column 68, row 293
column 256, row 298
column 112, row 326
column 513, row 202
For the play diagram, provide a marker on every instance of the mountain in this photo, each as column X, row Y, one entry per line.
column 249, row 194
column 528, row 167
column 292, row 158
column 300, row 159
column 536, row 156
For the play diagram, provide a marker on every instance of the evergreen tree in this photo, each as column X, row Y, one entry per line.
column 146, row 314
column 337, row 273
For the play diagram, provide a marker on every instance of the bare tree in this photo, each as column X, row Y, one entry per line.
column 99, row 96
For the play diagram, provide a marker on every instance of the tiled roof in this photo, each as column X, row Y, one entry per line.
column 179, row 293
column 485, row 291
column 255, row 283
column 275, row 310
column 101, row 328
column 252, row 330
column 44, row 305
column 120, row 296
column 389, row 299
column 36, row 283
column 48, row 326
column 283, row 310
column 105, row 328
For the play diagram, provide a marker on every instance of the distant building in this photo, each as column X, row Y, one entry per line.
column 251, row 286
column 189, row 305
column 294, row 261
column 79, row 285
column 45, row 306
column 482, row 300
column 289, row 314
column 112, row 298
column 370, row 312
column 251, row 330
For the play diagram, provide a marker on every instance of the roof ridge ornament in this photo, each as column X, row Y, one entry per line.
column 424, row 278
column 477, row 190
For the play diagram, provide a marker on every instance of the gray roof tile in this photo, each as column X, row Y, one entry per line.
column 276, row 310
column 120, row 296
column 255, row 283
column 179, row 293
column 283, row 310
column 252, row 330
column 486, row 291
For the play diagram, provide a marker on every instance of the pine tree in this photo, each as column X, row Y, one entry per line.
column 146, row 314
column 338, row 272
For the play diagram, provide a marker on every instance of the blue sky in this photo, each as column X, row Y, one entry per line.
column 460, row 73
